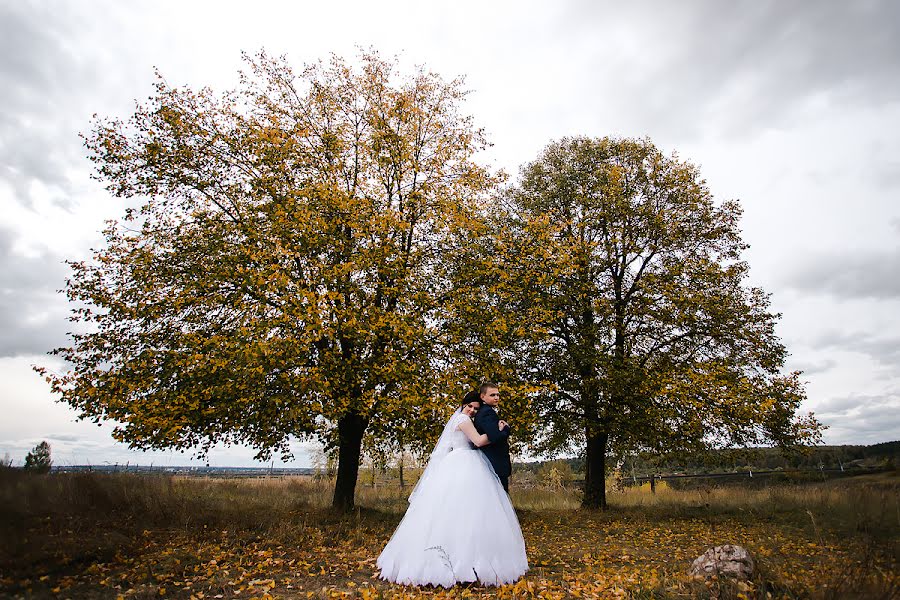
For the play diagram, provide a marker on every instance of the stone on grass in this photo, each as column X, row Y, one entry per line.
column 728, row 560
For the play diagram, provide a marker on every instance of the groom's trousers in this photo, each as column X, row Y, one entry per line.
column 504, row 481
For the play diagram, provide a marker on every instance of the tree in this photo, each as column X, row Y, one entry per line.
column 324, row 464
column 631, row 299
column 282, row 274
column 555, row 474
column 38, row 460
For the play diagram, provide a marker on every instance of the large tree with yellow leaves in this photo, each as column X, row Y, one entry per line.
column 280, row 272
column 624, row 284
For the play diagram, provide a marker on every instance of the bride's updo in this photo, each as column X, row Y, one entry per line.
column 472, row 396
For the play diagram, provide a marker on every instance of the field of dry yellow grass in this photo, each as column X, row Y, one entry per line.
column 138, row 536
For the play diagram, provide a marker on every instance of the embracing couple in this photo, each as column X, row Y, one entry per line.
column 460, row 525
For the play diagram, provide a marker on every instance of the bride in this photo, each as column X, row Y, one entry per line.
column 460, row 525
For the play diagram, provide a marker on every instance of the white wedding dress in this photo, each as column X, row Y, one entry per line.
column 460, row 525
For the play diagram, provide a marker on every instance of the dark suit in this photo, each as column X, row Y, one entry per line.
column 497, row 451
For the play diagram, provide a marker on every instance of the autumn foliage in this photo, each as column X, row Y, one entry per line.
column 281, row 274
column 627, row 300
column 318, row 254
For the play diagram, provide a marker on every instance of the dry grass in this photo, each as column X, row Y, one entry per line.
column 865, row 507
column 102, row 536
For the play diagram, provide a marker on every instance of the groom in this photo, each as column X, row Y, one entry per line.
column 487, row 422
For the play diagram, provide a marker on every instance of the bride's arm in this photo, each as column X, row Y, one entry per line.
column 479, row 439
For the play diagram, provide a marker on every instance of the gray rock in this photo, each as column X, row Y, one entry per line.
column 727, row 560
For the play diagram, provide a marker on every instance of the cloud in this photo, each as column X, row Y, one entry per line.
column 859, row 418
column 737, row 66
column 886, row 173
column 856, row 274
column 883, row 349
column 63, row 437
column 32, row 313
column 812, row 367
column 55, row 73
column 37, row 80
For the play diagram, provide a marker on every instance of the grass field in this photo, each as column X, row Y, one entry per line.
column 130, row 536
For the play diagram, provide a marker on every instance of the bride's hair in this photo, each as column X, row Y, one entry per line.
column 472, row 396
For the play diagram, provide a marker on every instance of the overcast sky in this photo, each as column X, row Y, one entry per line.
column 791, row 107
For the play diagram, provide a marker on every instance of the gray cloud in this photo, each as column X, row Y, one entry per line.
column 32, row 313
column 58, row 62
column 812, row 367
column 37, row 79
column 843, row 405
column 852, row 275
column 887, row 174
column 742, row 65
column 883, row 350
column 867, row 419
column 64, row 437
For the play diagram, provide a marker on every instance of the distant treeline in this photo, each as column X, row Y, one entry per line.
column 200, row 471
column 886, row 454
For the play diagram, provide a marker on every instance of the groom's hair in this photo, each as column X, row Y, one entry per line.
column 488, row 385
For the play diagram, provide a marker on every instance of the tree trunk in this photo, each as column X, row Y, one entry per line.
column 595, row 471
column 350, row 434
